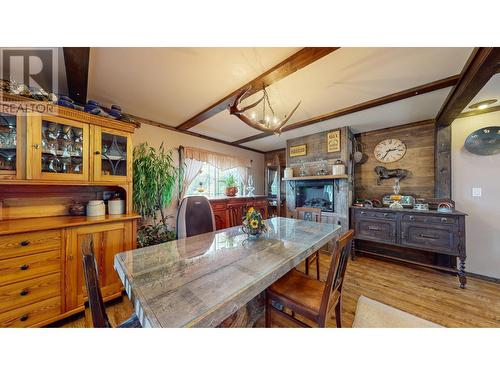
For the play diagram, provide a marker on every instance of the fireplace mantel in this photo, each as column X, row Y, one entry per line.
column 325, row 177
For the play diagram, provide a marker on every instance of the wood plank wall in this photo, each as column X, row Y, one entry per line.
column 419, row 160
column 271, row 157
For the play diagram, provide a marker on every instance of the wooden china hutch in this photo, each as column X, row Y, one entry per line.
column 49, row 160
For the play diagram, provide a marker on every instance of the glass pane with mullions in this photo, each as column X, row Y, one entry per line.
column 114, row 155
column 62, row 148
column 8, row 142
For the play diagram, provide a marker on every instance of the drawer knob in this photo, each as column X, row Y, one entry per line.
column 443, row 220
column 386, row 214
column 23, row 318
column 24, row 267
column 412, row 218
column 25, row 243
column 24, row 292
column 363, row 213
column 97, row 152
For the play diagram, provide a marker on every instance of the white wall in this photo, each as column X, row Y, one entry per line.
column 468, row 171
column 154, row 136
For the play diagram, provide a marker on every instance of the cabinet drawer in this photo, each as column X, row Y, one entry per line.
column 24, row 293
column 439, row 238
column 29, row 243
column 24, row 268
column 32, row 314
column 376, row 230
column 375, row 214
column 218, row 206
column 448, row 220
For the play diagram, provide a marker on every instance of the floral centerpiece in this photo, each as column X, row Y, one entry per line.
column 253, row 223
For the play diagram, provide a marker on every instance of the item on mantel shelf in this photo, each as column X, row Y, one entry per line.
column 322, row 169
column 338, row 168
column 96, row 208
column 303, row 170
column 288, row 172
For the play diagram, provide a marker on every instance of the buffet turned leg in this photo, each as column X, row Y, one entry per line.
column 461, row 273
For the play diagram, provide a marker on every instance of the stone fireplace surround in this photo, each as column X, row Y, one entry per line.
column 317, row 150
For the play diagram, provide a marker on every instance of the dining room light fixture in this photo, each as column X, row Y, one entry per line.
column 483, row 104
column 265, row 120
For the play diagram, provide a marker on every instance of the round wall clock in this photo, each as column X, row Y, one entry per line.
column 389, row 150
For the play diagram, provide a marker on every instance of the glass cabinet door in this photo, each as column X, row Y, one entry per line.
column 60, row 149
column 8, row 145
column 112, row 155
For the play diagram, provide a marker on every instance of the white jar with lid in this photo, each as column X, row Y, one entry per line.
column 116, row 207
column 96, row 208
column 338, row 168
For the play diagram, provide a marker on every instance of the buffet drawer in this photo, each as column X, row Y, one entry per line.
column 15, row 295
column 438, row 238
column 32, row 314
column 376, row 230
column 24, row 268
column 375, row 214
column 29, row 243
column 429, row 219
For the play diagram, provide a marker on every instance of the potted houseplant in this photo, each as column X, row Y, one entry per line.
column 156, row 179
column 231, row 185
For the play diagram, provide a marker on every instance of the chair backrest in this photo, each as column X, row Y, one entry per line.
column 195, row 216
column 336, row 272
column 308, row 213
column 236, row 212
column 95, row 301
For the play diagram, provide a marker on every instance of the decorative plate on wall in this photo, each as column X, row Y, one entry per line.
column 485, row 141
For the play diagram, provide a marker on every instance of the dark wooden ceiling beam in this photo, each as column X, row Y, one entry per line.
column 172, row 128
column 288, row 66
column 408, row 93
column 76, row 60
column 483, row 63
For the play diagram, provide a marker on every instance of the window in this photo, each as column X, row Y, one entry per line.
column 209, row 181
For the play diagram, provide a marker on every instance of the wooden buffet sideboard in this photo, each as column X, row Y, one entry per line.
column 227, row 207
column 47, row 162
column 402, row 230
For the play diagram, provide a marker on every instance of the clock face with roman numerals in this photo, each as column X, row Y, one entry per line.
column 389, row 150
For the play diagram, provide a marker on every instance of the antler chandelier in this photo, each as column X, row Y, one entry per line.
column 269, row 122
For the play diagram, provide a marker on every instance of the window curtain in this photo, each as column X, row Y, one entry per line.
column 243, row 172
column 192, row 168
column 220, row 161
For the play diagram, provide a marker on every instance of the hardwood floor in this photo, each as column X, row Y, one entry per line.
column 431, row 295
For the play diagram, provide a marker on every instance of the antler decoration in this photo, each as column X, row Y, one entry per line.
column 258, row 125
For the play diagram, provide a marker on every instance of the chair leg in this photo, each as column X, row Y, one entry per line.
column 338, row 319
column 268, row 311
column 317, row 265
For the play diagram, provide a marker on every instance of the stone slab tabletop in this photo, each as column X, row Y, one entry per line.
column 201, row 280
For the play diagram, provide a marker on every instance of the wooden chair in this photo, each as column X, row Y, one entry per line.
column 236, row 211
column 95, row 303
column 311, row 214
column 308, row 297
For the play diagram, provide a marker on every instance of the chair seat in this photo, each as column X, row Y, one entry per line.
column 132, row 322
column 299, row 292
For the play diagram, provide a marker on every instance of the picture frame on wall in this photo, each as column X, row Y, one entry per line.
column 333, row 141
column 300, row 150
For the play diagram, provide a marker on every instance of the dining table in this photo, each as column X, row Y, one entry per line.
column 203, row 280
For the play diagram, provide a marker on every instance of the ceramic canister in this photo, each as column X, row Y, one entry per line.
column 116, row 207
column 338, row 168
column 96, row 208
